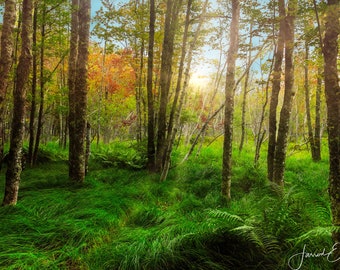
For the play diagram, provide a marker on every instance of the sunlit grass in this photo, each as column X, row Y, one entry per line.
column 124, row 218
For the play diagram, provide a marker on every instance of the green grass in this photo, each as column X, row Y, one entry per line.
column 123, row 218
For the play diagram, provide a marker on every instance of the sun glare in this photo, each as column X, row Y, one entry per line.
column 200, row 77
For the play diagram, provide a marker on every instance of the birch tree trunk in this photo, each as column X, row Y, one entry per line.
column 19, row 98
column 229, row 100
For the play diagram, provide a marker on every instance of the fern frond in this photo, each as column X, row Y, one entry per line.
column 230, row 218
column 315, row 233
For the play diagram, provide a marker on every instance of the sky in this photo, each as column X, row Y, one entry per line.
column 95, row 5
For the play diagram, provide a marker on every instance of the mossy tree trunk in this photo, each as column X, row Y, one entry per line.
column 19, row 99
column 229, row 100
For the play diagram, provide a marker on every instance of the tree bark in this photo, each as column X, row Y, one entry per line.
column 7, row 44
column 261, row 133
column 34, row 87
column 78, row 95
column 229, row 100
column 71, row 85
column 332, row 90
column 274, row 100
column 307, row 103
column 245, row 91
column 14, row 168
column 150, row 96
column 317, row 128
column 42, row 88
column 175, row 111
column 282, row 137
column 171, row 19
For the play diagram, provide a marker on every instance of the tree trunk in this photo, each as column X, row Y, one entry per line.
column 71, row 84
column 332, row 90
column 307, row 103
column 171, row 19
column 150, row 96
column 229, row 100
column 282, row 137
column 34, row 87
column 317, row 131
column 42, row 89
column 317, row 128
column 87, row 147
column 78, row 93
column 261, row 133
column 9, row 18
column 19, row 98
column 172, row 121
column 245, row 91
column 274, row 100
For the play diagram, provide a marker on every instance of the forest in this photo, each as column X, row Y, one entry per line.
column 169, row 134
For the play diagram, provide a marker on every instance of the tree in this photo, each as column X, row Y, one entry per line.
column 171, row 19
column 282, row 136
column 9, row 18
column 19, row 98
column 150, row 96
column 332, row 91
column 171, row 132
column 274, row 99
column 229, row 100
column 78, row 88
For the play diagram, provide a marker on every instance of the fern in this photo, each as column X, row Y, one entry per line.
column 225, row 216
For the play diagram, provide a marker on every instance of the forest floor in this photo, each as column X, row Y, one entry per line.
column 124, row 218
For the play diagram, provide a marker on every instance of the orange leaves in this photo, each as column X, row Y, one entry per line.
column 112, row 72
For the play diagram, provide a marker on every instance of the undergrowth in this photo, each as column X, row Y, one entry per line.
column 124, row 218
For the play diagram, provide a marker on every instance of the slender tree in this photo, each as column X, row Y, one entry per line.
column 245, row 91
column 171, row 132
column 71, row 85
column 150, row 96
column 171, row 19
column 332, row 90
column 19, row 98
column 229, row 100
column 7, row 45
column 34, row 86
column 78, row 89
column 282, row 137
column 276, row 86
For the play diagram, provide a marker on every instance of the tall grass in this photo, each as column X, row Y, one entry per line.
column 123, row 218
